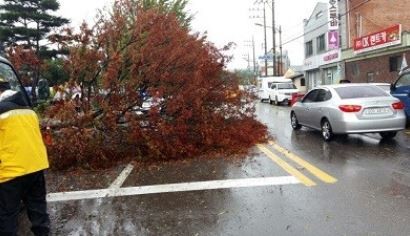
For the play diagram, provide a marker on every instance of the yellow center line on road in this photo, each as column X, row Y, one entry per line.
column 311, row 168
column 288, row 168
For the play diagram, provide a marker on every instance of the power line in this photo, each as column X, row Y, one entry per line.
column 320, row 26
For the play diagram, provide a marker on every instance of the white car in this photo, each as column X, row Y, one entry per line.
column 264, row 84
column 282, row 92
column 384, row 86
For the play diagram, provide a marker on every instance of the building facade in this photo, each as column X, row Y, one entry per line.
column 322, row 64
column 377, row 36
column 295, row 73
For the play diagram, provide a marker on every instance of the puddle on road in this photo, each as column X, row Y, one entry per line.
column 400, row 184
column 251, row 165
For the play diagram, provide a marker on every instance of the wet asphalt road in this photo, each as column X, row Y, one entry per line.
column 371, row 195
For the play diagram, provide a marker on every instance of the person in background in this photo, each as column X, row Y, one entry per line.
column 23, row 158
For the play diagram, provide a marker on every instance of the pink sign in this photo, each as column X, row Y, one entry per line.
column 333, row 40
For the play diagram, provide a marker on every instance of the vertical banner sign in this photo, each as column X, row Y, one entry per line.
column 333, row 15
column 333, row 34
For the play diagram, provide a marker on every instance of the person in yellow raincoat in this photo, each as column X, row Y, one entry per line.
column 23, row 158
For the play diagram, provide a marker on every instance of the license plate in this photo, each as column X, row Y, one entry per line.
column 377, row 111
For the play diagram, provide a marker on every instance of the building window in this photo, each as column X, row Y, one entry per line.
column 319, row 14
column 370, row 77
column 321, row 43
column 309, row 49
column 395, row 63
column 303, row 82
column 355, row 69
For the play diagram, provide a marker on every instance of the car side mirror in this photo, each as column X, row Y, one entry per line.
column 392, row 87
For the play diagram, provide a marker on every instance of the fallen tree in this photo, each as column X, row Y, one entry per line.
column 147, row 89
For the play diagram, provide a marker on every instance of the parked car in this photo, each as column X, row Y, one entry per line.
column 281, row 92
column 349, row 109
column 401, row 90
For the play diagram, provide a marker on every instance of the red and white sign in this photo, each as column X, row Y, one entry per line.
column 385, row 38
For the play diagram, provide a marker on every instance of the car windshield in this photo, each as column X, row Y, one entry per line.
column 404, row 81
column 286, row 86
column 7, row 74
column 360, row 92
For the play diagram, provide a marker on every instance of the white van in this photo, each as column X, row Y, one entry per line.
column 264, row 83
column 281, row 91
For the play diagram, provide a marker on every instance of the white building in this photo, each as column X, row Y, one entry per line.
column 322, row 45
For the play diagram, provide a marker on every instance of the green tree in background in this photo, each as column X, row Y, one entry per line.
column 53, row 71
column 177, row 7
column 246, row 77
column 28, row 22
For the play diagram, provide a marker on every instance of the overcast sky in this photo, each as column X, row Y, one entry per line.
column 225, row 21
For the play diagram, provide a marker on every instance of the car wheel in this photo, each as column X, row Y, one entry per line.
column 388, row 135
column 294, row 122
column 327, row 132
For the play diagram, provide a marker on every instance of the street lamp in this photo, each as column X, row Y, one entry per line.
column 274, row 48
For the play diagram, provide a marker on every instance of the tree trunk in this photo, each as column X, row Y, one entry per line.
column 37, row 69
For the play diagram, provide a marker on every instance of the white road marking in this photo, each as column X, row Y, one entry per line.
column 79, row 195
column 122, row 177
column 172, row 188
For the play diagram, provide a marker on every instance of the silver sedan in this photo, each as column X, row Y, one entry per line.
column 348, row 109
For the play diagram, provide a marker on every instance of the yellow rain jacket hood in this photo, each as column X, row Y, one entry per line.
column 22, row 150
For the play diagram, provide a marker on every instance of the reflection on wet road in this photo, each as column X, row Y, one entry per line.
column 361, row 187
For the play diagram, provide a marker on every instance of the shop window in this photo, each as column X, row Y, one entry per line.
column 309, row 48
column 321, row 44
column 303, row 82
column 395, row 63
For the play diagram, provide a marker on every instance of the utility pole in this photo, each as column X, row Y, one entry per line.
column 247, row 58
column 274, row 38
column 251, row 44
column 254, row 56
column 264, row 2
column 266, row 47
column 281, row 53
